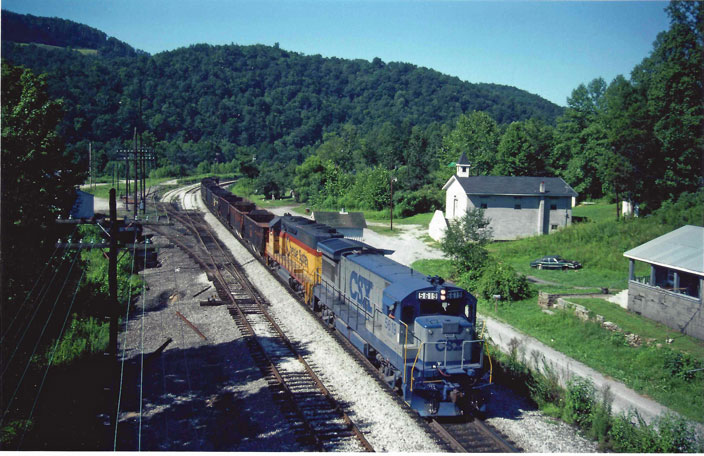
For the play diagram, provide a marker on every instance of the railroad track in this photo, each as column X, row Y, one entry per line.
column 471, row 436
column 318, row 419
column 474, row 435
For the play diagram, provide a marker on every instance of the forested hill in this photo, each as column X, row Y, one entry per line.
column 25, row 28
column 260, row 97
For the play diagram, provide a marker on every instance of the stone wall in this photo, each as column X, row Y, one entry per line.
column 555, row 301
column 679, row 312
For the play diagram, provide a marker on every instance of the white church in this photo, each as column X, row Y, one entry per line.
column 517, row 206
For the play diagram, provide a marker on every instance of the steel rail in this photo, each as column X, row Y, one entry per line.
column 500, row 443
column 244, row 283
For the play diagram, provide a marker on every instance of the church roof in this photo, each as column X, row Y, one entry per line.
column 514, row 185
column 463, row 160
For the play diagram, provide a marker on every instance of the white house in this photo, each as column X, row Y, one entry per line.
column 517, row 206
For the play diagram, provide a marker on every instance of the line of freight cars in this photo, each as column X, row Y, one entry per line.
column 421, row 332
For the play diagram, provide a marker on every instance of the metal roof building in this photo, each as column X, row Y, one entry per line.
column 351, row 224
column 674, row 291
column 682, row 249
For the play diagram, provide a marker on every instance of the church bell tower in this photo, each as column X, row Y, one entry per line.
column 463, row 166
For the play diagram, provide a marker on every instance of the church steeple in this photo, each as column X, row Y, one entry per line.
column 463, row 166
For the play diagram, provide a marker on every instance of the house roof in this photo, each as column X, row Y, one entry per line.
column 338, row 220
column 513, row 185
column 682, row 249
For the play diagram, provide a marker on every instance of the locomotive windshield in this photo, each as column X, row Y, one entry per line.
column 451, row 307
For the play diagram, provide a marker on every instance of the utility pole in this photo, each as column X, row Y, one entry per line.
column 391, row 202
column 112, row 276
column 135, row 173
column 127, row 181
column 90, row 167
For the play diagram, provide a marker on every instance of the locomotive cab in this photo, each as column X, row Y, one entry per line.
column 447, row 375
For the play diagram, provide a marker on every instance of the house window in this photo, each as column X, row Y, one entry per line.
column 464, row 169
column 553, row 227
column 553, row 203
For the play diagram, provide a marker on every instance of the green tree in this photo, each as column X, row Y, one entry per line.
column 371, row 188
column 671, row 79
column 271, row 181
column 309, row 178
column 37, row 180
column 464, row 242
column 524, row 150
column 581, row 141
column 476, row 135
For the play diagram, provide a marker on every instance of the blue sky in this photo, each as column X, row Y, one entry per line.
column 547, row 48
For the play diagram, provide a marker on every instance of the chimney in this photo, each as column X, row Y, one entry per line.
column 542, row 186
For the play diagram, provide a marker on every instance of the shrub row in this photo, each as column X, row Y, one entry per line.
column 582, row 405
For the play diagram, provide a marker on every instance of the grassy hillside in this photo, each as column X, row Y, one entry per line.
column 656, row 371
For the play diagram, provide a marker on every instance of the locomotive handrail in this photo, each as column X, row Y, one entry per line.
column 486, row 348
column 421, row 347
column 491, row 366
column 481, row 354
column 405, row 351
column 445, row 350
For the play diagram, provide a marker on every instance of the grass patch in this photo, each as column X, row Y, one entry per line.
column 84, row 51
column 439, row 267
column 642, row 326
column 599, row 246
column 597, row 212
column 103, row 191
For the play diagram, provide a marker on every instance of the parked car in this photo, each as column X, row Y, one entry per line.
column 554, row 262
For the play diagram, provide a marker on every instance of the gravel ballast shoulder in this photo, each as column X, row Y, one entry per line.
column 387, row 426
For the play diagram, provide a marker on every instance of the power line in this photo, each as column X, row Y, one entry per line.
column 124, row 350
column 51, row 358
column 36, row 310
column 29, row 360
column 36, row 282
column 43, row 288
column 141, row 378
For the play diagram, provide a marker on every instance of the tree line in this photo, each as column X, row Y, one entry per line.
column 219, row 103
column 637, row 139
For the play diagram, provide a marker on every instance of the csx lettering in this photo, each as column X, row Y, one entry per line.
column 449, row 345
column 360, row 287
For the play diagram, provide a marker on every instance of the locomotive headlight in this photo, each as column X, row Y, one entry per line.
column 443, row 294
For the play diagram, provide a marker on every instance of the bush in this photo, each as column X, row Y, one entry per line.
column 667, row 434
column 682, row 365
column 601, row 420
column 546, row 391
column 579, row 402
column 502, row 279
column 419, row 202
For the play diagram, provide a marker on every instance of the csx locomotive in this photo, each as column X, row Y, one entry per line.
column 420, row 331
